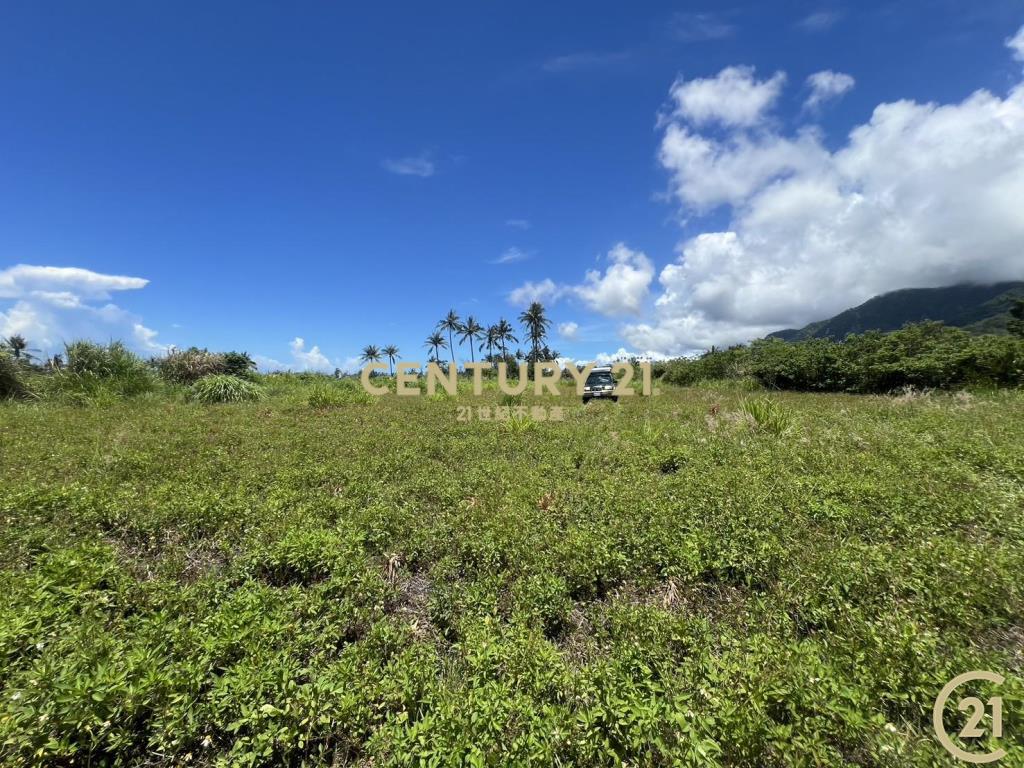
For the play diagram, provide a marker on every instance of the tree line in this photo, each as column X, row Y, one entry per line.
column 496, row 339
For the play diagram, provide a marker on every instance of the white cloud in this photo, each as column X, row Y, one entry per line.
column 826, row 85
column 307, row 360
column 604, row 358
column 583, row 61
column 268, row 364
column 733, row 97
column 623, row 287
column 518, row 223
column 568, row 331
column 55, row 305
column 819, row 21
column 511, row 255
column 921, row 195
column 528, row 292
column 1016, row 44
column 692, row 27
column 22, row 279
column 311, row 359
column 708, row 172
column 620, row 290
column 419, row 165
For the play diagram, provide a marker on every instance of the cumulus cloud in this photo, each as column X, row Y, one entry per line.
column 827, row 85
column 708, row 172
column 545, row 290
column 568, row 331
column 733, row 97
column 54, row 305
column 921, row 195
column 311, row 359
column 620, row 290
column 1016, row 44
column 605, row 358
column 420, row 165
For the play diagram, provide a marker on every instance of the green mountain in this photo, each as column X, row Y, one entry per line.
column 975, row 308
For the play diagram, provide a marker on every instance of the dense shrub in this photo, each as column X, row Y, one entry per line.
column 187, row 366
column 108, row 361
column 98, row 372
column 221, row 388
column 238, row 364
column 12, row 379
column 714, row 364
column 923, row 355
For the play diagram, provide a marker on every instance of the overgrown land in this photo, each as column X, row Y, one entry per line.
column 721, row 574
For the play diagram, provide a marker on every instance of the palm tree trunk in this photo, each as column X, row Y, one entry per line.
column 451, row 346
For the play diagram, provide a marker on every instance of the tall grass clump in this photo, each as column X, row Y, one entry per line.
column 221, row 388
column 767, row 415
column 187, row 366
column 98, row 373
column 12, row 379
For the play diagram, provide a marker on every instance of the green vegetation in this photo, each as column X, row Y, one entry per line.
column 927, row 355
column 203, row 565
column 96, row 373
column 12, row 377
column 222, row 388
column 711, row 576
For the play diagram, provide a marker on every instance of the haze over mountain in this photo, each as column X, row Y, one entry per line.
column 976, row 308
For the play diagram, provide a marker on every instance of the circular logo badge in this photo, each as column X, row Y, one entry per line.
column 976, row 710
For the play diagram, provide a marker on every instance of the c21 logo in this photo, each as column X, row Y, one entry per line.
column 975, row 709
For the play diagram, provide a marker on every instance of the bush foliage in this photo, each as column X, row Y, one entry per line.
column 96, row 373
column 187, row 366
column 12, row 378
column 925, row 355
column 708, row 577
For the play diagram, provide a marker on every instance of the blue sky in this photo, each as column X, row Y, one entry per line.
column 242, row 175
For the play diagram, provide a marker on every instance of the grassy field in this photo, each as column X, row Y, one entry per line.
column 712, row 576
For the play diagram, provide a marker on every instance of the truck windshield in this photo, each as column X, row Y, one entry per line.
column 600, row 379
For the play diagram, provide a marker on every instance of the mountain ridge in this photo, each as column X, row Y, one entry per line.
column 977, row 308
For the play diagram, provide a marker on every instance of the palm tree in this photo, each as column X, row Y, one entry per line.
column 536, row 324
column 490, row 341
column 451, row 324
column 436, row 342
column 370, row 353
column 471, row 330
column 391, row 352
column 18, row 346
column 505, row 335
